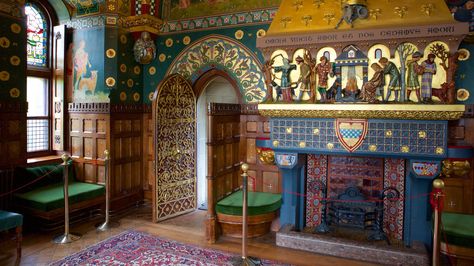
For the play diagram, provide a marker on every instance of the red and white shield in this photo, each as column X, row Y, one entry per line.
column 351, row 132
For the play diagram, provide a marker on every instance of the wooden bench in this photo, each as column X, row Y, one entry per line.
column 459, row 232
column 44, row 199
column 262, row 210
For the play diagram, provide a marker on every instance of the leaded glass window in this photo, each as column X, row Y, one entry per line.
column 37, row 36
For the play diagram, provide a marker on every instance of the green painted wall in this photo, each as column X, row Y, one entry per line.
column 12, row 59
column 170, row 46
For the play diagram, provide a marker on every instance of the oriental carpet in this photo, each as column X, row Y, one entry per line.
column 138, row 248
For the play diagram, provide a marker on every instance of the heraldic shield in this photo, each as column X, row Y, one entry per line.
column 351, row 132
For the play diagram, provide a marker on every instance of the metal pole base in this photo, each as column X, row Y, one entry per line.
column 66, row 238
column 102, row 227
column 248, row 261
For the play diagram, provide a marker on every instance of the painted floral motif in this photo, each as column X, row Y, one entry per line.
column 162, row 58
column 136, row 70
column 123, row 68
column 4, row 42
column 15, row 28
column 186, row 40
column 239, row 34
column 110, row 53
column 4, row 76
column 123, row 96
column 15, row 60
column 152, row 71
column 110, row 82
column 136, row 96
column 130, row 83
column 123, row 39
column 226, row 54
column 150, row 96
column 15, row 93
column 169, row 42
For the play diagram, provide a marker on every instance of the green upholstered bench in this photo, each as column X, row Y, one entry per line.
column 45, row 198
column 459, row 231
column 10, row 220
column 262, row 210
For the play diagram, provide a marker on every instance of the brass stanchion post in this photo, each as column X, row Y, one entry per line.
column 108, row 223
column 245, row 259
column 437, row 199
column 67, row 237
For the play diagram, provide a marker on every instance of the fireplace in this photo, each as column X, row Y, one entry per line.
column 371, row 174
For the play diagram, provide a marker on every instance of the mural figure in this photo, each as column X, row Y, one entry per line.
column 81, row 67
column 144, row 49
column 429, row 69
column 324, row 70
column 285, row 84
column 413, row 71
column 394, row 85
column 374, row 87
column 305, row 77
column 270, row 82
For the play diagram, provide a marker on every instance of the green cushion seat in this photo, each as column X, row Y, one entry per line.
column 459, row 229
column 51, row 197
column 258, row 203
column 9, row 220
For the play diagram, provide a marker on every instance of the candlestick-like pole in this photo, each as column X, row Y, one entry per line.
column 108, row 224
column 438, row 186
column 67, row 237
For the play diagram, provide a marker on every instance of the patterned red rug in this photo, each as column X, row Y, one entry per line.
column 138, row 248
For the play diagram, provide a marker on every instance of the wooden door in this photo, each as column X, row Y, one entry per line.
column 174, row 116
column 224, row 158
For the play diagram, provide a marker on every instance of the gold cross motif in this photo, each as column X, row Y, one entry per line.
column 427, row 9
column 328, row 17
column 400, row 11
column 298, row 4
column 307, row 19
column 374, row 13
column 285, row 20
column 318, row 3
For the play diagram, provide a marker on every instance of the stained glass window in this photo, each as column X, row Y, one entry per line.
column 37, row 36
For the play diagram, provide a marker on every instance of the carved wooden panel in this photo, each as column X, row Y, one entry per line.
column 87, row 144
column 147, row 155
column 262, row 177
column 126, row 151
column 12, row 135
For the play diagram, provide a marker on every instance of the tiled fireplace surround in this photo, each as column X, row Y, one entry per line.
column 408, row 152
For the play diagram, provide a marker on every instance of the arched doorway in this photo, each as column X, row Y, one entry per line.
column 214, row 86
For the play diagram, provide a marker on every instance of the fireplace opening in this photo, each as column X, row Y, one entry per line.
column 356, row 198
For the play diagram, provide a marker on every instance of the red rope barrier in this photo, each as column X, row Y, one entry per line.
column 29, row 183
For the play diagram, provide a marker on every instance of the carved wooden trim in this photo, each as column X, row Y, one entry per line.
column 96, row 108
column 127, row 108
column 223, row 109
column 13, row 107
column 249, row 109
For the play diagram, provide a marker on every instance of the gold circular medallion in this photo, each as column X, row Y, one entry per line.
column 302, row 144
column 123, row 96
column 110, row 53
column 316, row 131
column 276, row 143
column 15, row 93
column 330, row 146
column 464, row 54
column 239, row 34
column 4, row 42
column 110, row 81
column 186, row 40
column 439, row 150
column 152, row 70
column 405, row 149
column 169, row 42
column 289, row 130
column 123, row 68
column 150, row 96
column 4, row 76
column 136, row 70
column 162, row 57
column 462, row 95
column 15, row 28
column 123, row 39
column 261, row 33
column 388, row 133
column 422, row 134
column 373, row 148
column 136, row 96
column 130, row 83
column 15, row 60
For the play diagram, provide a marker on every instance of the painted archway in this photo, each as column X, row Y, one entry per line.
column 226, row 54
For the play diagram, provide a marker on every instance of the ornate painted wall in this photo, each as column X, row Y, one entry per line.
column 234, row 52
column 12, row 56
